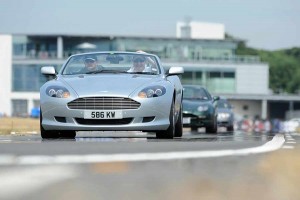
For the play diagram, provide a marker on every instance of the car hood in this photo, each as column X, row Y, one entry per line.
column 108, row 84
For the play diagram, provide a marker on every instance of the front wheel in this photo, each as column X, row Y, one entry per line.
column 194, row 128
column 213, row 128
column 170, row 132
column 230, row 128
column 178, row 125
column 68, row 134
column 47, row 134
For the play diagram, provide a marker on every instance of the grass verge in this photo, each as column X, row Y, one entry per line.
column 10, row 125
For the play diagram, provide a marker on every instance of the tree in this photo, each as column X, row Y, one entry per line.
column 284, row 67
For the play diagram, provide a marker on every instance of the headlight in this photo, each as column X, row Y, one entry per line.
column 202, row 108
column 57, row 91
column 223, row 115
column 153, row 91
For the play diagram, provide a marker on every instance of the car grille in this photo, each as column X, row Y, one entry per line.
column 103, row 103
column 189, row 115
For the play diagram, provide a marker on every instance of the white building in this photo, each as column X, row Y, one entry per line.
column 200, row 30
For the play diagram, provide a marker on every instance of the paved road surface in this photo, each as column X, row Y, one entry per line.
column 135, row 165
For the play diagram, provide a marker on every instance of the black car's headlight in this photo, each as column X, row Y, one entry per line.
column 203, row 108
column 57, row 91
column 152, row 91
column 223, row 115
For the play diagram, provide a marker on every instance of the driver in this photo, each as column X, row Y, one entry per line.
column 91, row 64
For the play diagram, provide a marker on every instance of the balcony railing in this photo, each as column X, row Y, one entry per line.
column 220, row 59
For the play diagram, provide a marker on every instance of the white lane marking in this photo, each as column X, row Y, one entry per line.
column 288, row 147
column 15, row 183
column 5, row 141
column 275, row 144
column 290, row 139
column 291, row 142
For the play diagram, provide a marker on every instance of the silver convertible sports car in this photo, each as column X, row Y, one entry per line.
column 121, row 91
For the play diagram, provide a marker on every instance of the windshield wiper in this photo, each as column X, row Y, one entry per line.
column 150, row 73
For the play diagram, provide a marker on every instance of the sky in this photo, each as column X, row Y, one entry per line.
column 263, row 24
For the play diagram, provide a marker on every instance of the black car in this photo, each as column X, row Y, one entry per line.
column 199, row 108
column 225, row 114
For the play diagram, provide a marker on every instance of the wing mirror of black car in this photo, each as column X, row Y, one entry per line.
column 216, row 98
column 49, row 72
column 175, row 71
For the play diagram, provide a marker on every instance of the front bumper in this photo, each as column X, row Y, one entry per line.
column 202, row 120
column 152, row 115
column 224, row 121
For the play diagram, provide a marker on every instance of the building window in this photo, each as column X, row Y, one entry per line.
column 214, row 74
column 19, row 108
column 193, row 78
column 228, row 75
column 187, row 78
column 198, row 78
column 220, row 82
column 27, row 78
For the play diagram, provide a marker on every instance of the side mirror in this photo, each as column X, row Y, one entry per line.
column 175, row 71
column 48, row 70
column 216, row 98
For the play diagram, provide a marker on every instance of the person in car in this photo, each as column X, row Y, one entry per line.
column 143, row 63
column 138, row 64
column 91, row 64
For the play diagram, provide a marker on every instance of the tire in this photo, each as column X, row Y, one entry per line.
column 47, row 134
column 194, row 128
column 68, row 134
column 178, row 125
column 170, row 132
column 212, row 129
column 230, row 128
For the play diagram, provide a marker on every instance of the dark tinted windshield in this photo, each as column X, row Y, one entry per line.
column 195, row 93
column 223, row 104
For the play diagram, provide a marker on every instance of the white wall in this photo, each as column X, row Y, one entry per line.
column 6, row 73
column 252, row 79
column 254, row 108
column 202, row 30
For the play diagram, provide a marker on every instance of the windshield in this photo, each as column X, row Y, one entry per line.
column 195, row 93
column 223, row 104
column 112, row 63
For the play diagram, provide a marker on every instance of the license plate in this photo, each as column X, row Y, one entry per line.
column 186, row 120
column 103, row 114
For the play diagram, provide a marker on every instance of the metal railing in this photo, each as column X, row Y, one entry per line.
column 217, row 59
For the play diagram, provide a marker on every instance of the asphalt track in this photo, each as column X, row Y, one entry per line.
column 136, row 165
